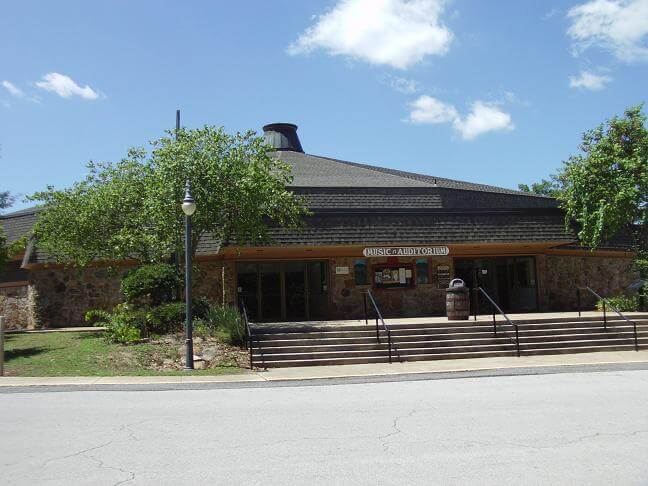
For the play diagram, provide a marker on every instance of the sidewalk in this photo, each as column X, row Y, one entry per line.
column 346, row 371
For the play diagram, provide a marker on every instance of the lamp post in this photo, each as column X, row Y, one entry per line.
column 188, row 208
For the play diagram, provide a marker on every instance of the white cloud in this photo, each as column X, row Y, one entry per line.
column 588, row 80
column 426, row 109
column 482, row 118
column 403, row 85
column 619, row 26
column 65, row 87
column 397, row 33
column 13, row 89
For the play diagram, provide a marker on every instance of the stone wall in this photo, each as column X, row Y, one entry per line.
column 420, row 300
column 208, row 281
column 17, row 304
column 559, row 275
column 65, row 295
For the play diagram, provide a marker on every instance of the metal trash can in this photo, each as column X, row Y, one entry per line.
column 457, row 301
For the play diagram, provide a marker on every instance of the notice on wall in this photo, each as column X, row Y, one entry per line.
column 342, row 270
column 443, row 276
column 406, row 251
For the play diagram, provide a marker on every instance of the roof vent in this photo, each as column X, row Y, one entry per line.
column 282, row 136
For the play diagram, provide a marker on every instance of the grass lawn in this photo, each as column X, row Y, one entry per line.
column 88, row 354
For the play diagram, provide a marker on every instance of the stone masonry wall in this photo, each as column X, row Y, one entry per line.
column 559, row 275
column 420, row 300
column 65, row 295
column 17, row 304
column 208, row 282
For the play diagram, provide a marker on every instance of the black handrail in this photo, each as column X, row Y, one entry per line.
column 249, row 337
column 515, row 341
column 605, row 305
column 384, row 325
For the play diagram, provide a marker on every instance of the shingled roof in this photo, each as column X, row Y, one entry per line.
column 356, row 203
column 318, row 171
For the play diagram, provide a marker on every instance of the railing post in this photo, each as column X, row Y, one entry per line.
column 604, row 316
column 476, row 302
column 389, row 345
column 578, row 299
column 634, row 325
column 377, row 333
column 2, row 346
column 517, row 340
column 250, row 350
column 364, row 295
column 494, row 323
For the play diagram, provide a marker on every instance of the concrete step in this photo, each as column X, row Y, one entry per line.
column 357, row 344
column 307, row 328
column 466, row 327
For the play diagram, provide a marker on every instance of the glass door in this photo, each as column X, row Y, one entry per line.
column 270, row 294
column 317, row 290
column 295, row 290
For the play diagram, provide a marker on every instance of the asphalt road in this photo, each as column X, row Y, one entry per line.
column 567, row 428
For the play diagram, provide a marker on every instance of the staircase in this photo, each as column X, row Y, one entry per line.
column 311, row 345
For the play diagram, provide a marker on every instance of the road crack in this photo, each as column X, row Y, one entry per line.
column 395, row 429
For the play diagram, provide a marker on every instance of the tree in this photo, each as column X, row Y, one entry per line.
column 605, row 186
column 131, row 209
column 6, row 200
column 544, row 187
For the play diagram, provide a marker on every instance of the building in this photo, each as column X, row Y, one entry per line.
column 404, row 235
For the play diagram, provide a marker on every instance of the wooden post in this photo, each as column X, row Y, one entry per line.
column 1, row 346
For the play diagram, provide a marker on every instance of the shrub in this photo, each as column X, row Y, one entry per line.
column 165, row 319
column 226, row 322
column 123, row 325
column 621, row 302
column 150, row 284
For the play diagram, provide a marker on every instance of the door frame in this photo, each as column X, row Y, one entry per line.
column 282, row 283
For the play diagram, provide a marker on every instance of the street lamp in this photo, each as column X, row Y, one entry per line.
column 188, row 208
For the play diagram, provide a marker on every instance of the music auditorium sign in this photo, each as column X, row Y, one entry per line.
column 406, row 251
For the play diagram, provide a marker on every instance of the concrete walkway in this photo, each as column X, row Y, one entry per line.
column 344, row 371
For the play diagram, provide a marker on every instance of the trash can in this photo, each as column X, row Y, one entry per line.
column 457, row 301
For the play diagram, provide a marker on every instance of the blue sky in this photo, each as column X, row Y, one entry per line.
column 491, row 92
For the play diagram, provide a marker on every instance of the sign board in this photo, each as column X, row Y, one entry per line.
column 406, row 251
column 342, row 270
column 443, row 276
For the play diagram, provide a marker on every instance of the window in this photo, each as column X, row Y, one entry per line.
column 360, row 272
column 422, row 274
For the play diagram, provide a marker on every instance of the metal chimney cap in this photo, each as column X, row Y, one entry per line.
column 282, row 136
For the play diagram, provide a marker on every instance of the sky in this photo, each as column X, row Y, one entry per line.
column 489, row 92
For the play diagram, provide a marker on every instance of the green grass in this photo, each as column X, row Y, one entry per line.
column 88, row 354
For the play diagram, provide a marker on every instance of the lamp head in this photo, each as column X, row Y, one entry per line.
column 188, row 203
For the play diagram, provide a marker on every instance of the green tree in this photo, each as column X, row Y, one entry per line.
column 131, row 209
column 6, row 200
column 544, row 187
column 605, row 186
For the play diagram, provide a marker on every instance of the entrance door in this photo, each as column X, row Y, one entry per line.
column 293, row 291
column 316, row 275
column 510, row 281
column 270, row 292
column 295, row 285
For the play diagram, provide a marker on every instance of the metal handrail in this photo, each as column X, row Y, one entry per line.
column 515, row 341
column 249, row 337
column 390, row 344
column 607, row 304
